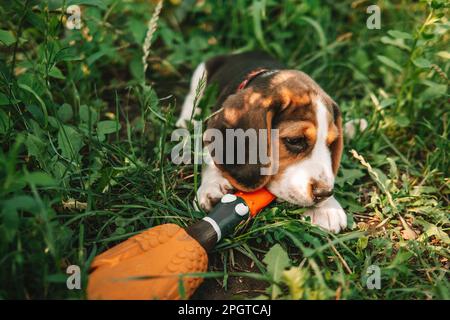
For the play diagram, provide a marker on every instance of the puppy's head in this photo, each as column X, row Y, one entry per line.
column 307, row 150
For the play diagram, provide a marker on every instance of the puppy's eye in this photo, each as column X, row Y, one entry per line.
column 297, row 145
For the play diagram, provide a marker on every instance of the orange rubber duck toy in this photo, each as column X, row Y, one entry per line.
column 156, row 263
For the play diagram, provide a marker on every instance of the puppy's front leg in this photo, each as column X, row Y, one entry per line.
column 214, row 185
column 328, row 215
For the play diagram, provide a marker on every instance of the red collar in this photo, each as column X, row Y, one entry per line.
column 252, row 75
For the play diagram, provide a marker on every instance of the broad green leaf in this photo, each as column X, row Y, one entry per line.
column 277, row 261
column 431, row 229
column 40, row 179
column 69, row 142
column 387, row 102
column 4, row 101
column 35, row 146
column 390, row 63
column 59, row 170
column 36, row 112
column 10, row 218
column 351, row 175
column 422, row 63
column 393, row 170
column 137, row 29
column 107, row 126
column 88, row 114
column 399, row 43
column 53, row 122
column 381, row 176
column 399, row 34
column 434, row 91
column 56, row 73
column 402, row 120
column 362, row 242
column 97, row 55
column 38, row 98
column 65, row 112
column 20, row 202
column 66, row 54
column 6, row 37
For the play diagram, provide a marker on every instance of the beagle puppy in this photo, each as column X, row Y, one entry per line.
column 256, row 91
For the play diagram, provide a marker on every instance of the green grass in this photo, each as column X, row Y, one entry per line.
column 85, row 141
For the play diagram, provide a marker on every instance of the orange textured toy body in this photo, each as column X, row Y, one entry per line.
column 151, row 264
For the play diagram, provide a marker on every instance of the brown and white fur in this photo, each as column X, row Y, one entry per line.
column 310, row 134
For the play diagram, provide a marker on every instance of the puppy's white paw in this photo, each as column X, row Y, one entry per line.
column 210, row 192
column 329, row 215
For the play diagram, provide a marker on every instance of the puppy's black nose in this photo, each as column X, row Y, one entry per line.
column 321, row 194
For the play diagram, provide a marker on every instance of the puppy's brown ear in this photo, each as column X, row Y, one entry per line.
column 338, row 145
column 241, row 118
